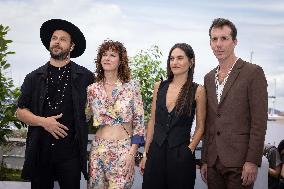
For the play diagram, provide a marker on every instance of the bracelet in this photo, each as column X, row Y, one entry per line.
column 129, row 153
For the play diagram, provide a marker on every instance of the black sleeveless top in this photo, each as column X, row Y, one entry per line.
column 170, row 126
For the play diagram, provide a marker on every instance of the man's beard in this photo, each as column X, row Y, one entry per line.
column 60, row 56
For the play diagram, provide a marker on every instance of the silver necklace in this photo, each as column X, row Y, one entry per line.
column 60, row 84
column 220, row 86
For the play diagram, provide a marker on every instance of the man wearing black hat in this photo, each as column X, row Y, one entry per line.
column 52, row 104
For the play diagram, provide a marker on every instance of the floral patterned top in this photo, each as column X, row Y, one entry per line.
column 125, row 106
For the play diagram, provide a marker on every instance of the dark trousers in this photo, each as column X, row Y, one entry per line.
column 169, row 168
column 221, row 177
column 67, row 173
column 273, row 183
column 281, row 183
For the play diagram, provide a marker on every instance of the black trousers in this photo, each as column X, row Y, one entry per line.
column 169, row 168
column 281, row 183
column 67, row 173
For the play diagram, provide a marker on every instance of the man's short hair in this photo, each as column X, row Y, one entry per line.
column 220, row 23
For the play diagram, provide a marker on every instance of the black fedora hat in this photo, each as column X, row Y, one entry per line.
column 48, row 27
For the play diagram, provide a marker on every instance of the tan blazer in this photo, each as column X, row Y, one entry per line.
column 235, row 128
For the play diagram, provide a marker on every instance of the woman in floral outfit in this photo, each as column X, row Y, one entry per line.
column 115, row 103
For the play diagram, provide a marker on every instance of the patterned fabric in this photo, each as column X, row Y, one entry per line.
column 220, row 85
column 107, row 164
column 126, row 106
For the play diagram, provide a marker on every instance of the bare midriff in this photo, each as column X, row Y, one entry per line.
column 114, row 132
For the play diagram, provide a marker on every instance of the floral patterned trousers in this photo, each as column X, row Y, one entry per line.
column 107, row 164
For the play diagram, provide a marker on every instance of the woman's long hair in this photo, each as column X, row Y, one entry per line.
column 123, row 69
column 186, row 96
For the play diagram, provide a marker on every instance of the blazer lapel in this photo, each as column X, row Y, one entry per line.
column 211, row 87
column 232, row 77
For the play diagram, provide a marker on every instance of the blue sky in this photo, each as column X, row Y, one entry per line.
column 140, row 24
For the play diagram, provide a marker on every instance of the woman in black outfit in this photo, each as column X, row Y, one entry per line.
column 169, row 159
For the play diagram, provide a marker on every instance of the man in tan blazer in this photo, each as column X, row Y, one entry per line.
column 236, row 114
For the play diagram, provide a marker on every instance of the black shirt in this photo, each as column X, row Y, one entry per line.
column 59, row 100
column 33, row 95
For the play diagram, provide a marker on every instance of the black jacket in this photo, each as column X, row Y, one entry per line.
column 33, row 94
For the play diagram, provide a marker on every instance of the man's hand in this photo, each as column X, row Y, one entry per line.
column 203, row 172
column 51, row 125
column 249, row 173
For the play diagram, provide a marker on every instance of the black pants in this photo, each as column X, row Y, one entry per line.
column 169, row 168
column 281, row 183
column 67, row 173
column 273, row 183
